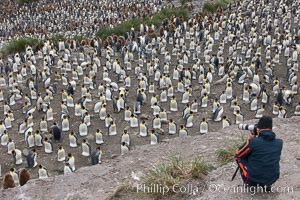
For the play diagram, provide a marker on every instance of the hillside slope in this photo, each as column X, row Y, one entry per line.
column 101, row 181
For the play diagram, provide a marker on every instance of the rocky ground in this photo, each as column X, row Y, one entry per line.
column 102, row 181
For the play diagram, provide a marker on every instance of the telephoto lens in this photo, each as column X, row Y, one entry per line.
column 251, row 127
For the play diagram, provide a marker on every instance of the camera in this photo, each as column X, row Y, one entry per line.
column 251, row 127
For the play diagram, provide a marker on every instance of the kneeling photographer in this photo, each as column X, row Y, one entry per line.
column 258, row 159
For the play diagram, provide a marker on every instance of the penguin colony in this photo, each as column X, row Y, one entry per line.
column 73, row 107
column 46, row 18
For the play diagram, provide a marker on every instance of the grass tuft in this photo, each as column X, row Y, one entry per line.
column 156, row 20
column 226, row 155
column 176, row 171
column 211, row 7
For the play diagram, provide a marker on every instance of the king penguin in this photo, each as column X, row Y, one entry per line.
column 223, row 98
column 217, row 116
column 275, row 108
column 182, row 133
column 14, row 173
column 86, row 149
column 73, row 139
column 99, row 137
column 173, row 104
column 48, row 146
column 17, row 155
column 203, row 126
column 67, row 169
column 156, row 123
column 253, row 104
column 10, row 146
column 189, row 119
column 239, row 117
column 172, row 127
column 71, row 161
column 61, row 154
column 42, row 172
column 112, row 129
column 96, row 156
column 30, row 140
column 297, row 109
column 134, row 122
column 125, row 138
column 282, row 113
column 83, row 129
column 65, row 124
column 260, row 112
column 225, row 122
column 143, row 129
column 4, row 138
column 124, row 148
column 154, row 138
column 31, row 159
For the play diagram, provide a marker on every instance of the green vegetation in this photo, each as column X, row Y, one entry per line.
column 182, row 2
column 211, row 7
column 19, row 45
column 176, row 171
column 156, row 20
column 226, row 155
column 57, row 38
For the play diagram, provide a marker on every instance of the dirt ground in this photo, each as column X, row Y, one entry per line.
column 111, row 147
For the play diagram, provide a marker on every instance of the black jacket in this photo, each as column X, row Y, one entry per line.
column 259, row 158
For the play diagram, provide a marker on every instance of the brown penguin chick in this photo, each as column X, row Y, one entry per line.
column 8, row 181
column 24, row 176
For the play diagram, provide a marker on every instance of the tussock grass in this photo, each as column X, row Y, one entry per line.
column 211, row 7
column 156, row 20
column 226, row 155
column 19, row 45
column 176, row 171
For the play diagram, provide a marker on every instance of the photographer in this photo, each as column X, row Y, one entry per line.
column 258, row 159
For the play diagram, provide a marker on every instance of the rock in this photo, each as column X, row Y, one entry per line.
column 164, row 121
column 25, row 152
column 113, row 156
column 90, row 137
column 144, row 116
column 161, row 131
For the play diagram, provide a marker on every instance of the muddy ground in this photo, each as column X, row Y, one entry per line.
column 111, row 148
